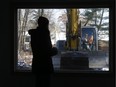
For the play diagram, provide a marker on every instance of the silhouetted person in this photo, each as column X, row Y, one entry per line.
column 42, row 66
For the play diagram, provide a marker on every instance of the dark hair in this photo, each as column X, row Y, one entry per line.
column 43, row 21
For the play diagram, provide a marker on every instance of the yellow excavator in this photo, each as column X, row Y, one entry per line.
column 72, row 29
column 73, row 57
column 75, row 33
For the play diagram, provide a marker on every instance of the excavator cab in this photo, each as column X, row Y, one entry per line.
column 89, row 39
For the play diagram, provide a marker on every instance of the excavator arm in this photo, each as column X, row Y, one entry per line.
column 72, row 29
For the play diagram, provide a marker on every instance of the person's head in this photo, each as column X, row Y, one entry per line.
column 43, row 21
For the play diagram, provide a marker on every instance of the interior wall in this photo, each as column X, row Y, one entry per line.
column 7, row 79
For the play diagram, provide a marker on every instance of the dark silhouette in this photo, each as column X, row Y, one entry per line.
column 42, row 50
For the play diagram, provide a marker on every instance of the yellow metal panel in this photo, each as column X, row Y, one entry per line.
column 74, row 29
column 74, row 21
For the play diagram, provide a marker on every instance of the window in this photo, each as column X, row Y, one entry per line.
column 84, row 48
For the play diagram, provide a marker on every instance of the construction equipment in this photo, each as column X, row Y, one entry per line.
column 75, row 33
column 74, row 57
column 72, row 29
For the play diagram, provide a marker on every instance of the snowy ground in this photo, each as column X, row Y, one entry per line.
column 95, row 61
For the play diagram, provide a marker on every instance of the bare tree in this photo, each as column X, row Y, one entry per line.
column 22, row 26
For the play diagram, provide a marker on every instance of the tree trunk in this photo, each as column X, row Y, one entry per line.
column 19, row 28
column 22, row 28
column 95, row 18
column 86, row 22
column 42, row 12
column 101, row 19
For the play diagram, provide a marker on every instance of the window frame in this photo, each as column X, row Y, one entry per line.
column 77, row 4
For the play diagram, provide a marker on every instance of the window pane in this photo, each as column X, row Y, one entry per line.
column 82, row 38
